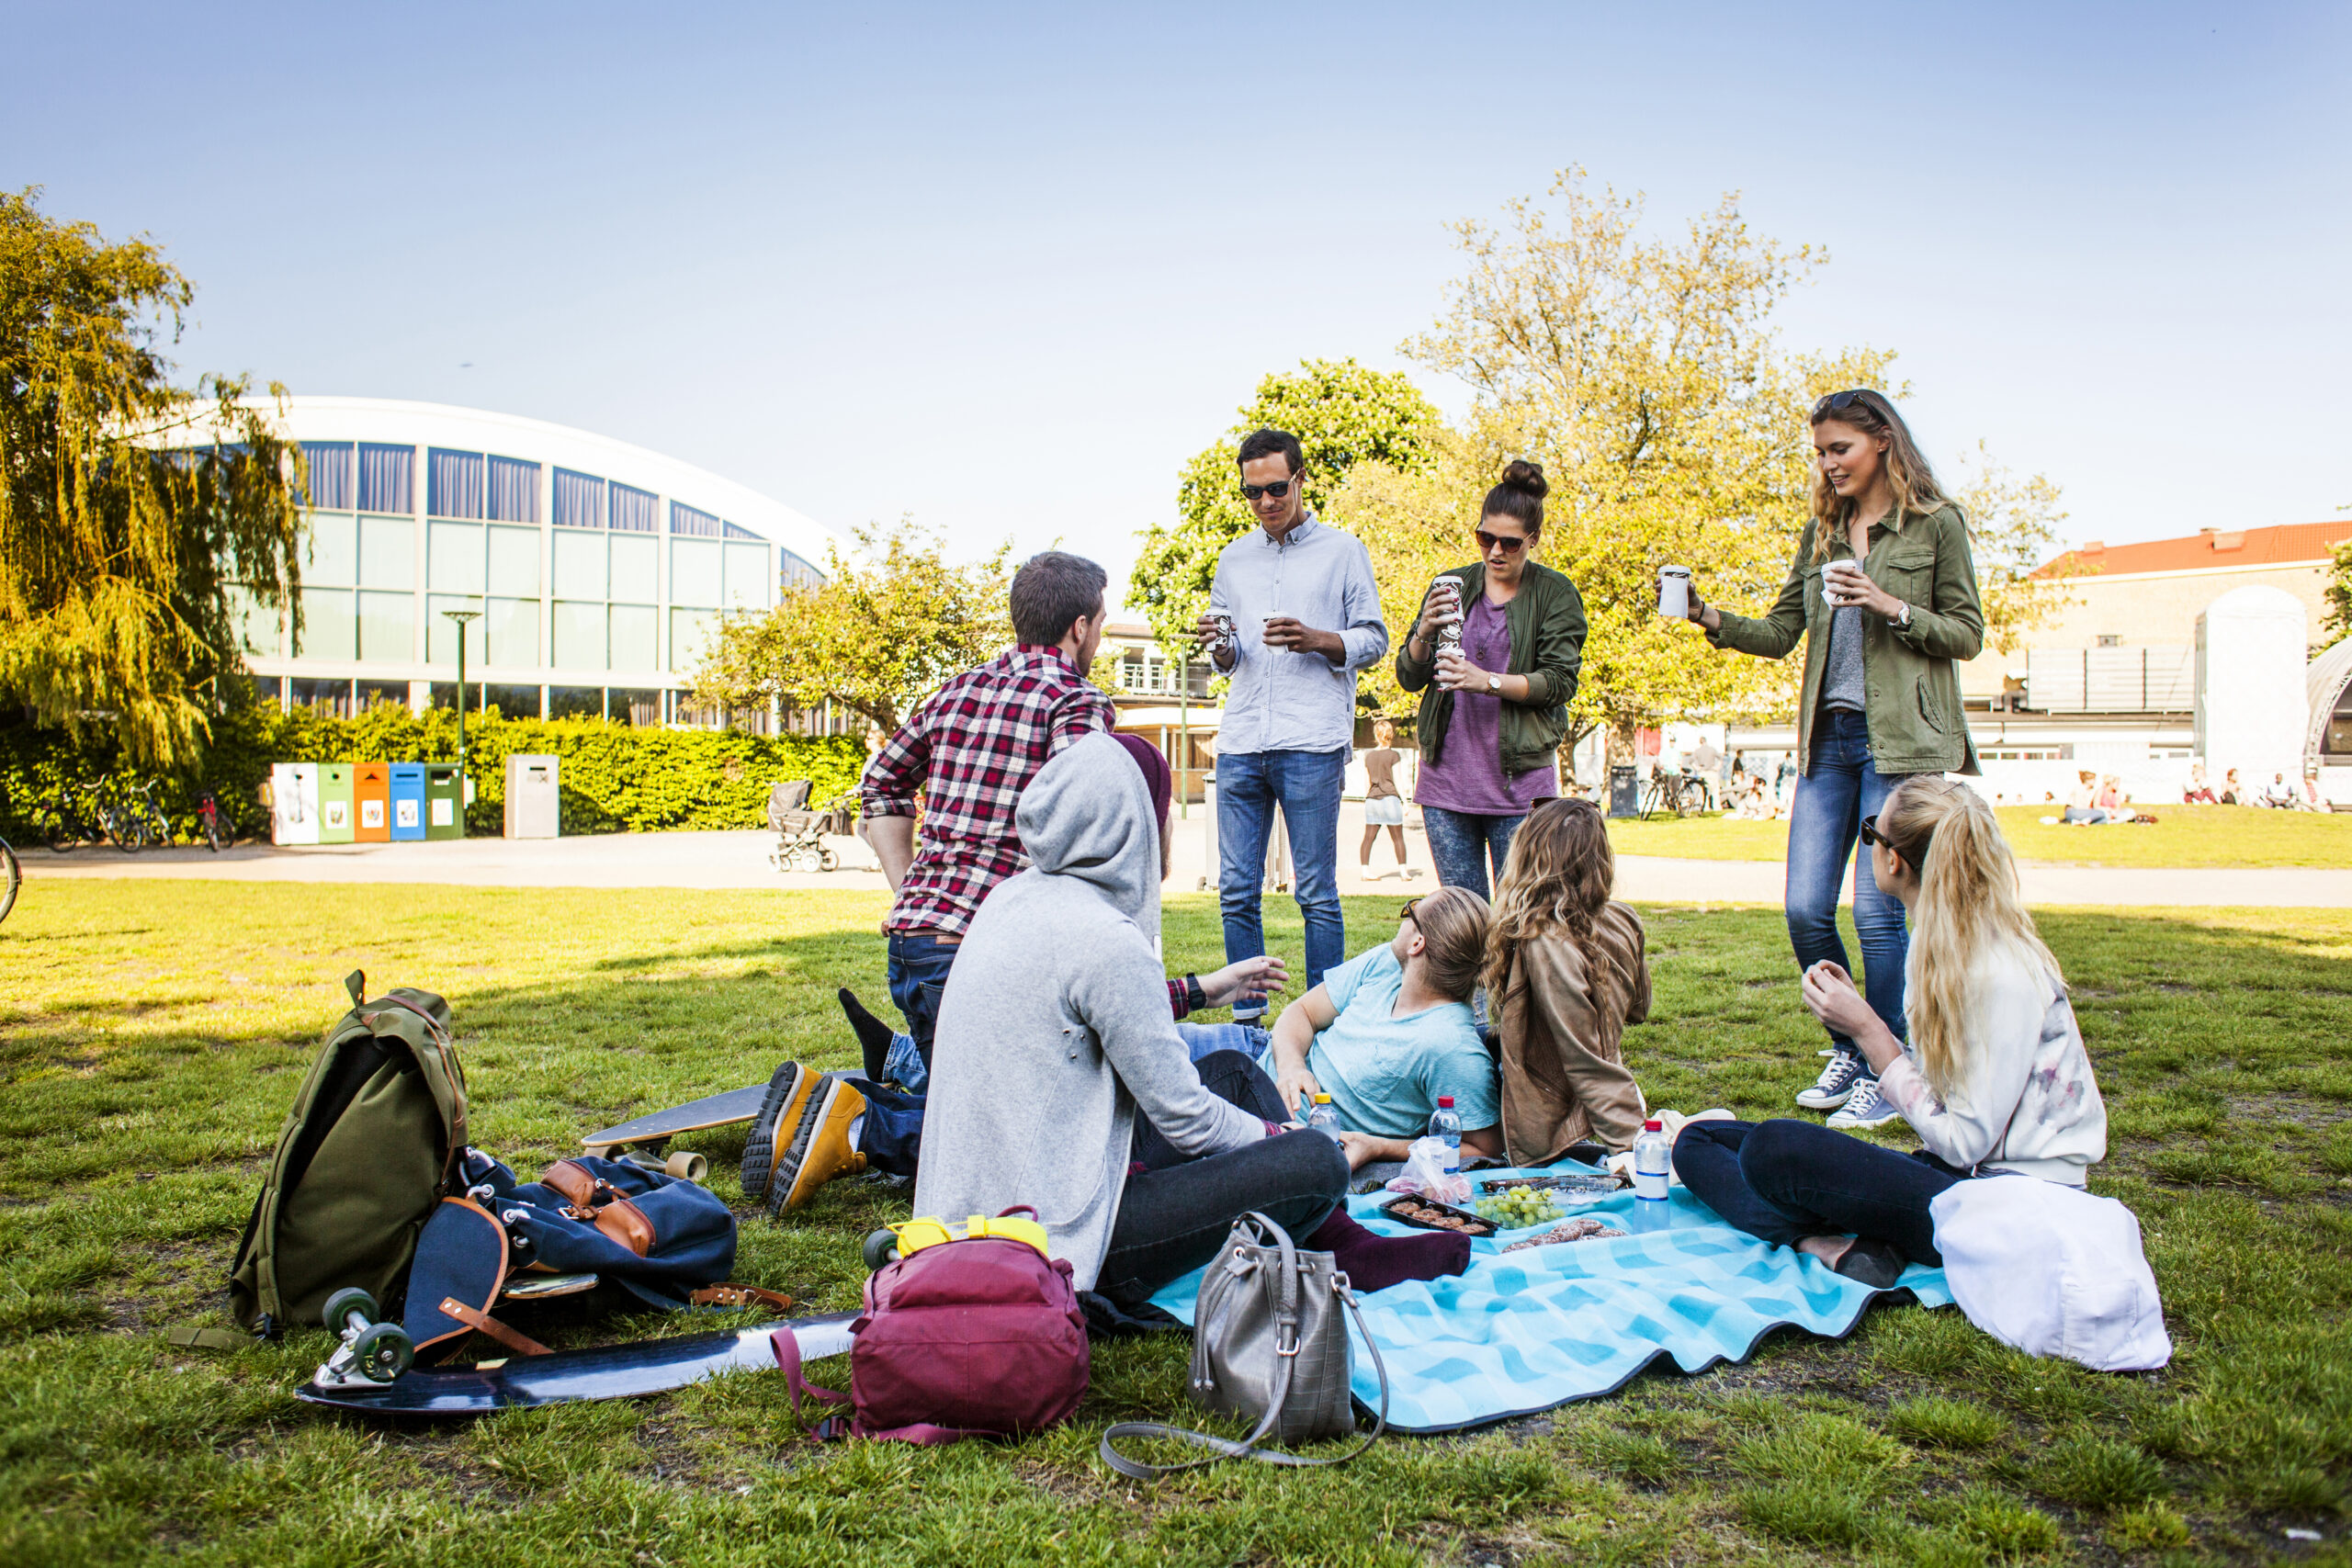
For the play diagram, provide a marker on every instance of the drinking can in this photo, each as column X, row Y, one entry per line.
column 1674, row 591
column 1446, row 592
column 1224, row 625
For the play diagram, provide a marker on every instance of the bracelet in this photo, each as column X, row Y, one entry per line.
column 1196, row 998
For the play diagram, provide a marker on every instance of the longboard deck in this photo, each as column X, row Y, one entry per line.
column 606, row 1371
column 694, row 1116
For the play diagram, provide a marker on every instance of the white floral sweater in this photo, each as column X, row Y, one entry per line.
column 2027, row 1102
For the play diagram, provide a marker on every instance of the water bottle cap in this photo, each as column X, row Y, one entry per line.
column 1653, row 1125
column 1445, row 1103
column 1322, row 1100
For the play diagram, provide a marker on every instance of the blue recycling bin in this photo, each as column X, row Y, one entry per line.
column 408, row 801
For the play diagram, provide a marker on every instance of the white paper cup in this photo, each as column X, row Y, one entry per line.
column 1674, row 591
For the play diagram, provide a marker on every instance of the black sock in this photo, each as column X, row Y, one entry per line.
column 873, row 1035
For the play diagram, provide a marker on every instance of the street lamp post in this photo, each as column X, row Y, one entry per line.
column 460, row 618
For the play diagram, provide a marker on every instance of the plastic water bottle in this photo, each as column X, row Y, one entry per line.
column 1447, row 1123
column 1653, row 1156
column 1324, row 1119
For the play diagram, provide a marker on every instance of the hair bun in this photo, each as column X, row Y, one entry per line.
column 1521, row 475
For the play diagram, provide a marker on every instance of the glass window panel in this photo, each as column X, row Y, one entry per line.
column 513, row 490
column 256, row 623
column 797, row 572
column 514, row 631
column 329, row 466
column 689, row 632
column 748, row 575
column 685, row 519
column 579, row 636
column 512, row 702
column 636, row 511
column 576, row 702
column 579, row 565
column 515, row 561
column 388, row 552
column 579, row 500
column 455, row 563
column 329, row 630
column 441, row 633
column 636, row 567
column 453, row 483
column 635, row 633
column 694, row 573
column 386, row 481
column 334, row 557
column 388, row 626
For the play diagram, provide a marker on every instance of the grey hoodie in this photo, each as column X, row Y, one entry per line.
column 1055, row 1030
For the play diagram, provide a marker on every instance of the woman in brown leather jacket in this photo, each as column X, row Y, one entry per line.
column 1566, row 973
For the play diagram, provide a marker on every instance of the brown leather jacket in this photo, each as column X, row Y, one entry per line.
column 1563, row 1069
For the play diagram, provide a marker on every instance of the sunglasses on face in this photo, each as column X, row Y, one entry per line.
column 1279, row 490
column 1407, row 912
column 1871, row 835
column 1487, row 543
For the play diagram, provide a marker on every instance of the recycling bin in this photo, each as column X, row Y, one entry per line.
column 1624, row 790
column 443, row 818
column 335, row 803
column 293, row 802
column 534, row 807
column 408, row 802
column 371, row 802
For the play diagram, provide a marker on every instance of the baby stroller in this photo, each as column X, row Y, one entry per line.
column 801, row 829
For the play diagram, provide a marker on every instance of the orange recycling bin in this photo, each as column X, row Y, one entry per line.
column 371, row 802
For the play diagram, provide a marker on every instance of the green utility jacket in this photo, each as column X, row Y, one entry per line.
column 1911, row 692
column 1547, row 622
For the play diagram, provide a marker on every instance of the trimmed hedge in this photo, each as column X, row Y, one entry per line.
column 613, row 778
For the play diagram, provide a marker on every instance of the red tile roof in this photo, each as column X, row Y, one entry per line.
column 2294, row 544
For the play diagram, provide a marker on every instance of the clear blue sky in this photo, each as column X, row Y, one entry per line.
column 1003, row 267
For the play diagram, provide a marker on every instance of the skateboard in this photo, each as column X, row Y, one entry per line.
column 606, row 1371
column 656, row 1128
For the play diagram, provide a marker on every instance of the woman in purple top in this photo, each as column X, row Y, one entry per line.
column 1493, row 714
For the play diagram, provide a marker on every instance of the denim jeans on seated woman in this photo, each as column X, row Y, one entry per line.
column 1840, row 787
column 1783, row 1180
column 1463, row 842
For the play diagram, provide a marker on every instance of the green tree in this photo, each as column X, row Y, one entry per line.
column 2338, row 623
column 134, row 515
column 891, row 623
column 2012, row 523
column 1343, row 414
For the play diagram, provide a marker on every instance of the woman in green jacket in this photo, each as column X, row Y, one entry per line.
column 1883, row 593
column 1493, row 710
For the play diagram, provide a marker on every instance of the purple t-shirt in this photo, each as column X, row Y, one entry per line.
column 1468, row 773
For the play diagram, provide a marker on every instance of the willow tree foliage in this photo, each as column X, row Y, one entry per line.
column 891, row 623
column 134, row 514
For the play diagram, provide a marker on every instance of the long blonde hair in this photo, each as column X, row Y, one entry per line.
column 1908, row 476
column 1968, row 903
column 1559, row 875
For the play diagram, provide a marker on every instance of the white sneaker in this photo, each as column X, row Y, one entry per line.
column 1864, row 1108
column 1836, row 1084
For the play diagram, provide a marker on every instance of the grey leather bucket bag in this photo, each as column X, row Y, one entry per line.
column 1268, row 1345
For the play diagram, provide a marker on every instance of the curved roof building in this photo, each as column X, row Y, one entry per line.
column 598, row 568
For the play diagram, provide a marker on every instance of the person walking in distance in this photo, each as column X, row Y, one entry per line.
column 1384, row 804
column 1882, row 591
column 1304, row 611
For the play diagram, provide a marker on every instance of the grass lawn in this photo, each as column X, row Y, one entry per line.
column 152, row 1034
column 2181, row 836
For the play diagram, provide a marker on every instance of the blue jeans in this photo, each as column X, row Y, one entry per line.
column 1840, row 788
column 918, row 967
column 1463, row 842
column 1305, row 784
column 1783, row 1180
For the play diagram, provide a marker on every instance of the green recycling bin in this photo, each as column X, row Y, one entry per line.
column 445, row 815
column 335, row 819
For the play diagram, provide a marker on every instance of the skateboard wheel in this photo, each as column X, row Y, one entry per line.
column 686, row 1167
column 383, row 1351
column 881, row 1248
column 343, row 1303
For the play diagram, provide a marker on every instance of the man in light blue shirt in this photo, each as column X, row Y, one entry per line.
column 1305, row 616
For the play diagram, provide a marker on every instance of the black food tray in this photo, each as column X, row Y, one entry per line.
column 1476, row 1224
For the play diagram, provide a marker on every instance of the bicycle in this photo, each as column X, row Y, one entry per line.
column 138, row 821
column 1673, row 795
column 12, row 874
column 66, row 825
column 217, row 820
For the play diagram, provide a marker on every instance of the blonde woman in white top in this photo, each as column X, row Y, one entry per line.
column 1994, row 1079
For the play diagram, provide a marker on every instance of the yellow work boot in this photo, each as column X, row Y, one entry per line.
column 781, row 1109
column 820, row 1148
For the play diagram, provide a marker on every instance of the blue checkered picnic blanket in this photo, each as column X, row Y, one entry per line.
column 1525, row 1331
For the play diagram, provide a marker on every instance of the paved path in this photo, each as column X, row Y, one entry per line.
column 740, row 861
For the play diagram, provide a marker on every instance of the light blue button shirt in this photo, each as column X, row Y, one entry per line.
column 1281, row 700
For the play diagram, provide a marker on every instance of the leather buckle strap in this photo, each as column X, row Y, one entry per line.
column 521, row 1344
column 740, row 1295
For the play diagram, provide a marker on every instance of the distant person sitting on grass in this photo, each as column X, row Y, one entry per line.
column 1390, row 1030
column 2278, row 794
column 2082, row 802
column 2233, row 793
column 1995, row 1079
column 1756, row 805
column 2199, row 792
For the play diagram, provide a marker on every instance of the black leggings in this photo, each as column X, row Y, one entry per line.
column 1177, row 1211
column 1783, row 1180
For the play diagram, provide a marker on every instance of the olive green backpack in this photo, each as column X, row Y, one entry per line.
column 374, row 1141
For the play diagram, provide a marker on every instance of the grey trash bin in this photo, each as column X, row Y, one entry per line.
column 534, row 806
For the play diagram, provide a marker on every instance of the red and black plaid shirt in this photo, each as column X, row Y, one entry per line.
column 971, row 750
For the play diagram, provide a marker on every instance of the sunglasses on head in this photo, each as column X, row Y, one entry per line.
column 1487, row 543
column 1279, row 490
column 1838, row 402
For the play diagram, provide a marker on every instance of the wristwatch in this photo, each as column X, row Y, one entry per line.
column 1196, row 999
column 1903, row 617
column 1494, row 682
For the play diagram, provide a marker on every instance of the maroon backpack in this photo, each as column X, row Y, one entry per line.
column 981, row 1338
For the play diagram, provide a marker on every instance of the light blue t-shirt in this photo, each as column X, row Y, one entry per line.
column 1383, row 1073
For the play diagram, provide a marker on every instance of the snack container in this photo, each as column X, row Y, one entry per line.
column 1401, row 1210
column 1572, row 1181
